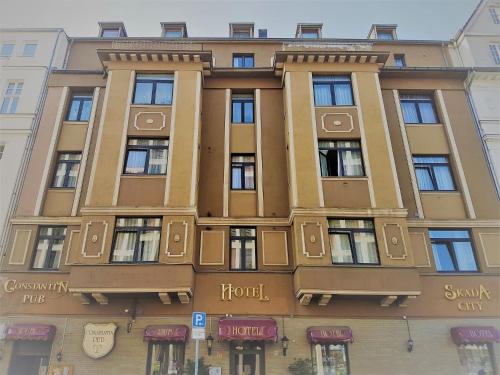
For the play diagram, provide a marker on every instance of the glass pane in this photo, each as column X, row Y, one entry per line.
column 340, row 248
column 350, row 223
column 238, row 62
column 442, row 257
column 427, row 112
column 143, row 92
column 136, row 161
column 237, row 115
column 157, row 161
column 409, row 112
column 248, row 112
column 59, row 176
column 41, row 253
column 73, row 174
column 111, row 33
column 13, row 105
column 155, row 77
column 366, row 247
column 5, row 105
column 249, row 62
column 384, row 35
column 149, row 243
column 164, row 93
column 465, row 256
column 309, row 35
column 243, row 232
column 173, row 33
column 443, row 178
column 250, row 260
column 236, row 182
column 86, row 108
column 476, row 359
column 343, row 94
column 323, row 163
column 424, row 179
column 124, row 247
column 430, row 159
column 7, row 49
column 29, row 50
column 448, row 234
column 334, row 359
column 129, row 222
column 236, row 254
column 352, row 163
column 249, row 177
column 73, row 110
column 55, row 254
column 322, row 95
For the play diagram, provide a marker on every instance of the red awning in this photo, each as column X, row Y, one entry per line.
column 248, row 329
column 329, row 334
column 173, row 332
column 31, row 332
column 467, row 335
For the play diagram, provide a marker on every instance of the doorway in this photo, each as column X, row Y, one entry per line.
column 247, row 358
column 30, row 358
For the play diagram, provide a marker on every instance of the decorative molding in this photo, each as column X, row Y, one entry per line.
column 184, row 250
column 304, row 251
column 150, row 121
column 389, row 255
column 166, row 198
column 291, row 142
column 227, row 161
column 25, row 249
column 202, row 263
column 70, row 242
column 264, row 248
column 258, row 136
column 481, row 234
column 196, row 143
column 349, row 116
column 103, row 242
column 426, row 249
column 454, row 223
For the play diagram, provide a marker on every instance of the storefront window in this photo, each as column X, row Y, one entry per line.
column 165, row 358
column 30, row 358
column 330, row 359
column 476, row 359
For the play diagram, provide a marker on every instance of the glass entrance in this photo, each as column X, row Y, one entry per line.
column 247, row 358
column 30, row 358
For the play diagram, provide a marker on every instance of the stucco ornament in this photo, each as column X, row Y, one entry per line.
column 94, row 238
column 394, row 240
column 98, row 339
column 177, row 238
column 312, row 238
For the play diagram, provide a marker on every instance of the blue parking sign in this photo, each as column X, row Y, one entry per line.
column 199, row 319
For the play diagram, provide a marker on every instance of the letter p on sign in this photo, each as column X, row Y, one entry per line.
column 199, row 319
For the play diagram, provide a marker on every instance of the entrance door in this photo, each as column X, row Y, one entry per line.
column 30, row 358
column 247, row 358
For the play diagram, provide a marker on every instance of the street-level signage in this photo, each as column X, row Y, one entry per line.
column 98, row 339
column 199, row 322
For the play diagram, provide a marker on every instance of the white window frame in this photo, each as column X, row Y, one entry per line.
column 10, row 97
column 7, row 43
column 29, row 43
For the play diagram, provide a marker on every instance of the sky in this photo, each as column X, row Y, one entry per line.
column 416, row 19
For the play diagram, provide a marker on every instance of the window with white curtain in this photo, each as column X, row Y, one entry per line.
column 433, row 173
column 476, row 359
column 136, row 240
column 453, row 251
column 340, row 158
column 332, row 90
column 49, row 248
column 242, row 172
column 66, row 172
column 352, row 241
column 165, row 358
column 11, row 97
column 243, row 249
column 330, row 359
column 146, row 156
column 418, row 109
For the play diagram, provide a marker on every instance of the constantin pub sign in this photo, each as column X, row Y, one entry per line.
column 98, row 339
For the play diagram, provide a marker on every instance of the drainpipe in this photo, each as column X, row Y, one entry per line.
column 21, row 174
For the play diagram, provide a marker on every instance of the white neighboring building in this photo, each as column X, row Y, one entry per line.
column 477, row 45
column 26, row 57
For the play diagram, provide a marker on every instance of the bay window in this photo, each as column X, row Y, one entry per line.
column 136, row 240
column 340, row 158
column 332, row 90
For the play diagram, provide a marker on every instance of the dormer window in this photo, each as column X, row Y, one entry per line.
column 385, row 35
column 308, row 31
column 383, row 32
column 112, row 30
column 241, row 30
column 174, row 30
column 110, row 33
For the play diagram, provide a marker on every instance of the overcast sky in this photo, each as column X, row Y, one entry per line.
column 416, row 19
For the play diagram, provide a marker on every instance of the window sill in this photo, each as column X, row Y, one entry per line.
column 150, row 105
column 455, row 273
column 243, row 191
column 342, row 178
column 144, row 175
column 352, row 265
column 335, row 106
column 453, row 192
column 62, row 189
column 424, row 124
column 73, row 122
column 242, row 123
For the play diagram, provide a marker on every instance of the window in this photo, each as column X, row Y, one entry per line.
column 332, row 358
column 146, row 156
column 495, row 51
column 80, row 107
column 433, row 173
column 242, row 105
column 418, row 109
column 352, row 241
column 476, row 357
column 66, row 173
column 243, row 249
column 2, row 150
column 332, row 90
column 173, row 33
column 7, row 49
column 494, row 15
column 165, row 358
column 49, row 248
column 242, row 172
column 110, row 33
column 29, row 49
column 309, row 34
column 340, row 158
column 30, row 357
column 242, row 61
column 452, row 251
column 242, row 34
column 11, row 97
column 153, row 89
column 399, row 61
column 137, row 240
column 385, row 35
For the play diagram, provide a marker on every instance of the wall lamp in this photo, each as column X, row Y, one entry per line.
column 410, row 343
column 210, row 342
column 284, row 339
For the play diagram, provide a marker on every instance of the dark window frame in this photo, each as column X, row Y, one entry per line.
column 241, row 166
column 146, row 149
column 332, row 85
column 417, row 108
column 340, row 158
column 82, row 98
column 154, row 82
column 313, row 354
column 66, row 174
column 242, row 101
column 430, row 169
column 150, row 345
column 402, row 58
column 352, row 242
column 244, row 57
column 448, row 242
column 50, row 253
column 242, row 240
column 137, row 230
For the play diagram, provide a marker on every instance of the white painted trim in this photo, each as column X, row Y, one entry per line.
column 258, row 136
column 426, row 250
column 480, row 235
column 123, row 144
column 68, row 249
column 99, row 140
column 315, row 142
column 388, row 142
column 25, row 249
column 103, row 242
column 196, row 141
column 51, row 149
column 184, row 250
column 227, row 153
column 456, row 155
column 364, row 146
column 409, row 159
column 83, row 164
column 223, row 249
column 389, row 255
column 264, row 248
column 166, row 198
column 291, row 143
column 304, row 251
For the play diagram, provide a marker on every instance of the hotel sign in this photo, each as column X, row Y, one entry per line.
column 98, row 339
column 229, row 291
column 33, row 291
column 468, row 299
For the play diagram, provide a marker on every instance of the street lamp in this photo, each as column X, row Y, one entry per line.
column 410, row 343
